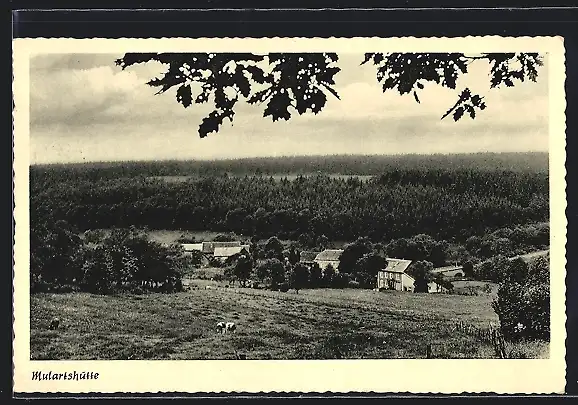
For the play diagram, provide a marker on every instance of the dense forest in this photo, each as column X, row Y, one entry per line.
column 446, row 204
column 335, row 164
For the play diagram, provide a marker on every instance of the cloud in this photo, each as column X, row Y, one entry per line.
column 59, row 62
column 85, row 108
column 80, row 96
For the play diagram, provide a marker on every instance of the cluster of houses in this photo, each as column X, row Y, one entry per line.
column 393, row 277
column 218, row 250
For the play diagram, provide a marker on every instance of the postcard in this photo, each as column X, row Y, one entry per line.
column 243, row 215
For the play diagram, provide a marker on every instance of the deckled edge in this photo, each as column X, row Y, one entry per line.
column 265, row 394
column 13, row 362
column 564, row 83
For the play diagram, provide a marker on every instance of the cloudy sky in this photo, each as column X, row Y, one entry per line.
column 84, row 108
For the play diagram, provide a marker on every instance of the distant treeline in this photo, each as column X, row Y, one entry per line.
column 443, row 203
column 338, row 164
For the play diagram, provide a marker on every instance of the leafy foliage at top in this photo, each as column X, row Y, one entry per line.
column 289, row 82
column 284, row 82
column 408, row 73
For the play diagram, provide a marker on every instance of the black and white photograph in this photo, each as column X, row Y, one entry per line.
column 268, row 204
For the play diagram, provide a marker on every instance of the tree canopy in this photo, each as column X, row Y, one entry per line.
column 289, row 83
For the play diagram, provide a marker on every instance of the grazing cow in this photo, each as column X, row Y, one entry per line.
column 230, row 326
column 221, row 327
column 208, row 287
column 54, row 323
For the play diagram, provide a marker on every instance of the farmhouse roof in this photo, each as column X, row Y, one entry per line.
column 446, row 268
column 228, row 251
column 189, row 247
column 396, row 265
column 307, row 256
column 329, row 255
column 209, row 247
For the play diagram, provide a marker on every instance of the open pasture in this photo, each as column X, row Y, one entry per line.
column 314, row 324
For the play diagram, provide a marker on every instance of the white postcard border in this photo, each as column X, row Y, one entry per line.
column 395, row 376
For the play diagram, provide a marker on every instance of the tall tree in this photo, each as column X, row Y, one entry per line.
column 274, row 248
column 243, row 267
column 367, row 268
column 315, row 276
column 293, row 256
column 328, row 275
column 421, row 272
column 352, row 253
column 299, row 277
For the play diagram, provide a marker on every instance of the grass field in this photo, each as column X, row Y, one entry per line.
column 314, row 324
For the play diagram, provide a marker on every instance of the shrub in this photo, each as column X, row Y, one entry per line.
column 340, row 280
column 328, row 275
column 524, row 308
column 283, row 287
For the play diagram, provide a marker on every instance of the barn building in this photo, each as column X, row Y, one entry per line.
column 209, row 247
column 449, row 271
column 307, row 257
column 223, row 253
column 329, row 257
column 192, row 247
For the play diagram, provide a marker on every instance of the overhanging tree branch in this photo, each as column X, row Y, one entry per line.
column 299, row 81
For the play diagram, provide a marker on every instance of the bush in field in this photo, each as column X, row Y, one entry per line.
column 229, row 274
column 101, row 263
column 419, row 247
column 243, row 267
column 340, row 280
column 328, row 276
column 523, row 305
column 495, row 269
column 270, row 272
column 283, row 287
column 445, row 283
column 421, row 272
column 367, row 268
column 293, row 256
column 299, row 277
column 56, row 253
column 274, row 248
column 98, row 271
column 216, row 262
column 315, row 276
column 127, row 258
column 468, row 269
column 194, row 258
column 352, row 253
column 517, row 270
